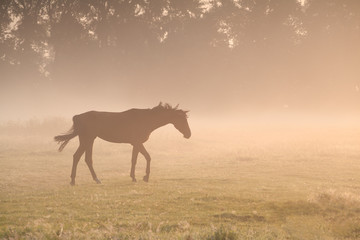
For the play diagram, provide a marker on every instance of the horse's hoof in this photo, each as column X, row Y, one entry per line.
column 134, row 179
column 72, row 183
column 97, row 181
column 146, row 178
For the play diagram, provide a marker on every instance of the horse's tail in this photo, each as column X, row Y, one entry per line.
column 65, row 138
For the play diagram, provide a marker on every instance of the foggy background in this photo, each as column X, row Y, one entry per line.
column 273, row 89
column 231, row 60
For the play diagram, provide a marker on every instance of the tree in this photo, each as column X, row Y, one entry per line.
column 214, row 41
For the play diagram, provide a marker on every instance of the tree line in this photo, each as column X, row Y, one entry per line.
column 81, row 39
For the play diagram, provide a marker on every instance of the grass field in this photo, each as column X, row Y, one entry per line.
column 258, row 184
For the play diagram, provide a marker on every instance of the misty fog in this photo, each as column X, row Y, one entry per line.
column 222, row 60
column 268, row 150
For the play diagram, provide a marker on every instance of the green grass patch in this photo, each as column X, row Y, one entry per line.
column 217, row 190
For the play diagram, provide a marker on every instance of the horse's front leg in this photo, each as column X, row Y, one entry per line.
column 148, row 160
column 135, row 153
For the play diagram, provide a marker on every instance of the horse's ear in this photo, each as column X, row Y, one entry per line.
column 160, row 104
column 176, row 107
column 186, row 113
column 167, row 106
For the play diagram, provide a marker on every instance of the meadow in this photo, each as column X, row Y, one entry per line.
column 249, row 183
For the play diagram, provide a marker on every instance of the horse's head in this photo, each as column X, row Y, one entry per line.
column 177, row 117
column 180, row 122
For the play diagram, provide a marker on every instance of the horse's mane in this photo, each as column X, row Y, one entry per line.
column 168, row 107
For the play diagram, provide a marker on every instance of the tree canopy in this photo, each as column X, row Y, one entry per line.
column 212, row 42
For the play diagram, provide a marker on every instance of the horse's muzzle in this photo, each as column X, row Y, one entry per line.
column 187, row 136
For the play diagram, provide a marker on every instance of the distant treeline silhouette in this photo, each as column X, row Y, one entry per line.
column 34, row 126
column 67, row 40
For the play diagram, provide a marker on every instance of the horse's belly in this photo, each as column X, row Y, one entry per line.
column 125, row 139
column 122, row 134
column 115, row 139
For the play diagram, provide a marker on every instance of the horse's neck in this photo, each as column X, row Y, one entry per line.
column 158, row 120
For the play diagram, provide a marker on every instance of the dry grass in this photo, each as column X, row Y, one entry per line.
column 255, row 185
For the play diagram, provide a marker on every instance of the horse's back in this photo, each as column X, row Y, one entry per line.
column 112, row 126
column 128, row 115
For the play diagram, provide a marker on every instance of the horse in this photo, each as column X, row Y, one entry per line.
column 133, row 126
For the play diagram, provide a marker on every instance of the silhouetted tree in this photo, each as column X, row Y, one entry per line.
column 80, row 41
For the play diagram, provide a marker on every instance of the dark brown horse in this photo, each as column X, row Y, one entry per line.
column 133, row 126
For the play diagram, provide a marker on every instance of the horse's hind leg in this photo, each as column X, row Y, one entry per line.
column 76, row 158
column 89, row 161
